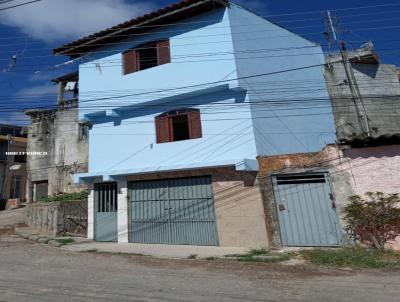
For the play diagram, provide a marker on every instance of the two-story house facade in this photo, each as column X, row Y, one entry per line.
column 180, row 103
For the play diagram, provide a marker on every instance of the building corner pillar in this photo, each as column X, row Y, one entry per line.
column 123, row 212
column 91, row 212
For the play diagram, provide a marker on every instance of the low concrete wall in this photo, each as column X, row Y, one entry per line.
column 57, row 218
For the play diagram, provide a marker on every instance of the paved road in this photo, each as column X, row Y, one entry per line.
column 34, row 272
column 11, row 217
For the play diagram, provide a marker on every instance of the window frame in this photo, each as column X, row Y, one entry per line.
column 165, row 129
column 131, row 57
column 83, row 132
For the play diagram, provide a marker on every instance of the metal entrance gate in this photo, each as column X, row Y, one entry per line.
column 106, row 206
column 306, row 210
column 173, row 211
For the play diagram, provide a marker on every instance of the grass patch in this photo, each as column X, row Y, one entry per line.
column 261, row 255
column 65, row 241
column 355, row 256
column 211, row 258
column 192, row 256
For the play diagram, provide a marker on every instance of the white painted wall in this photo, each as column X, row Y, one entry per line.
column 123, row 225
column 91, row 213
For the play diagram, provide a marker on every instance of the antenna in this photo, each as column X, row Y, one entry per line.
column 332, row 27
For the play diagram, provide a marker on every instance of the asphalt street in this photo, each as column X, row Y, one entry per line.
column 30, row 271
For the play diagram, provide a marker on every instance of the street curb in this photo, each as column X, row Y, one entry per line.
column 33, row 235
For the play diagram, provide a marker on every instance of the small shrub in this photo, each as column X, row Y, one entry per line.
column 373, row 220
column 65, row 197
column 192, row 256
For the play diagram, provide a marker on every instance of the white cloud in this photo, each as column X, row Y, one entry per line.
column 54, row 20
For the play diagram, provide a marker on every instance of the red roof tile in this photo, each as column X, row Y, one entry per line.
column 171, row 13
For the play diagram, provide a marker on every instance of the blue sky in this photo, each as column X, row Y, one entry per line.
column 31, row 31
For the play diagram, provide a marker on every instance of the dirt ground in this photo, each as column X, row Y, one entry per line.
column 30, row 271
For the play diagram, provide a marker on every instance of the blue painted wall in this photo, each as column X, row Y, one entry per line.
column 236, row 124
column 226, row 125
column 283, row 122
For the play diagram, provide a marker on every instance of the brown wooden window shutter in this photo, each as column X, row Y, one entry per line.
column 163, row 129
column 163, row 52
column 194, row 124
column 130, row 61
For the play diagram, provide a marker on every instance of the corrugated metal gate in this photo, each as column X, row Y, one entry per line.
column 106, row 207
column 173, row 211
column 306, row 210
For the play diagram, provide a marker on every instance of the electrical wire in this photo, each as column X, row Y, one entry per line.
column 19, row 5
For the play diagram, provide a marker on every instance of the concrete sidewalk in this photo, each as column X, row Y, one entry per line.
column 155, row 250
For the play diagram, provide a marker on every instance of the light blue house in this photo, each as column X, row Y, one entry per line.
column 180, row 102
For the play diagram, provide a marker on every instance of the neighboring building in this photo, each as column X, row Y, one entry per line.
column 304, row 193
column 366, row 101
column 12, row 167
column 63, row 140
column 180, row 103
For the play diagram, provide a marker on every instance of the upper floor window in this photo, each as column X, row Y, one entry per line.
column 147, row 56
column 178, row 125
column 83, row 131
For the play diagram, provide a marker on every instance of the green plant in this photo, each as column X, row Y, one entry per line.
column 374, row 219
column 260, row 255
column 192, row 256
column 258, row 252
column 354, row 256
column 65, row 241
column 65, row 197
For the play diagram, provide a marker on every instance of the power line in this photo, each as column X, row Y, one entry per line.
column 18, row 5
column 126, row 35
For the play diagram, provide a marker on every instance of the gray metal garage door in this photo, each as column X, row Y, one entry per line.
column 173, row 211
column 306, row 210
column 106, row 206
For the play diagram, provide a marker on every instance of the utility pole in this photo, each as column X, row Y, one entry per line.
column 351, row 79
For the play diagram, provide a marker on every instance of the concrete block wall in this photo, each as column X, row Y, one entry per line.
column 57, row 218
